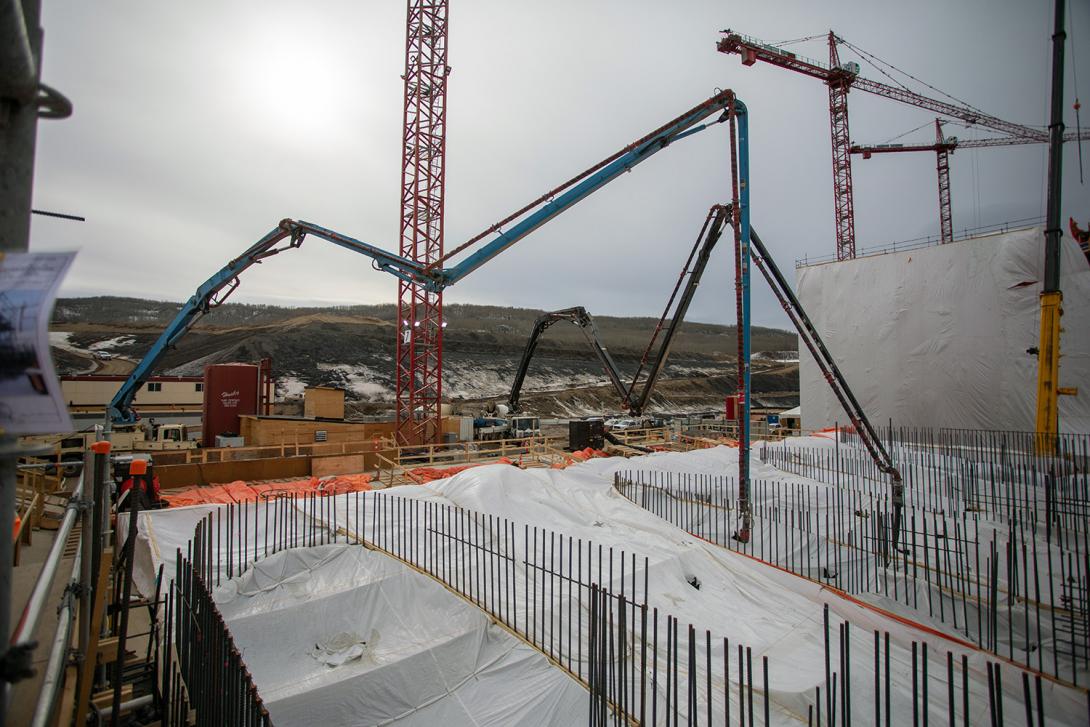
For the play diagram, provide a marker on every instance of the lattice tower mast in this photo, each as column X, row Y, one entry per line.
column 423, row 173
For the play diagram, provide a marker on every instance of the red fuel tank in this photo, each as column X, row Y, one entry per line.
column 229, row 391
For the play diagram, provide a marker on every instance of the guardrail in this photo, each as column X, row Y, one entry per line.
column 918, row 243
column 22, row 638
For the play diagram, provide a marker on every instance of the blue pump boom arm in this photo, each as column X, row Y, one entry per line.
column 580, row 188
column 214, row 291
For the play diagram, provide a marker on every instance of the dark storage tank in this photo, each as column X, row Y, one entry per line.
column 583, row 434
column 230, row 390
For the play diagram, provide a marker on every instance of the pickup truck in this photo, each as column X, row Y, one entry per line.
column 70, row 447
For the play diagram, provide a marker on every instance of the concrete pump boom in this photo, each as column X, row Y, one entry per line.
column 808, row 333
column 579, row 317
column 214, row 291
column 718, row 217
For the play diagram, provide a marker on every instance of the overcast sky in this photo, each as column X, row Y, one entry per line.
column 198, row 126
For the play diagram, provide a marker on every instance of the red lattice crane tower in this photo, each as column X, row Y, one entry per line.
column 942, row 165
column 423, row 173
column 841, row 78
column 943, row 147
column 839, row 81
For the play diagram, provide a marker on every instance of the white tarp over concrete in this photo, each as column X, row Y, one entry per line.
column 938, row 336
column 341, row 635
column 777, row 614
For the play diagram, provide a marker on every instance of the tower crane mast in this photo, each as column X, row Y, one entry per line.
column 419, row 359
column 943, row 147
column 839, row 81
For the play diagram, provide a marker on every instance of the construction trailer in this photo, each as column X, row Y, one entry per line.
column 158, row 392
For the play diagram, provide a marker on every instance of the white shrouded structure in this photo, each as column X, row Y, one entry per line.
column 342, row 635
column 938, row 337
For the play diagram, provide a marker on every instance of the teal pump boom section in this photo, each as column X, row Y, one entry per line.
column 685, row 125
column 214, row 291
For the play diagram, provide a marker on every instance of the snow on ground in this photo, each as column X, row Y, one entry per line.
column 470, row 380
column 778, row 356
column 111, row 343
column 62, row 340
column 290, row 387
column 361, row 380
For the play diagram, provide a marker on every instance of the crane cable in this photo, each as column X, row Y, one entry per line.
column 906, row 133
column 1075, row 73
column 871, row 58
column 781, row 43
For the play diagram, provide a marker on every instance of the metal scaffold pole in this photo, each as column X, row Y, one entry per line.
column 23, row 100
column 20, row 51
column 1048, row 356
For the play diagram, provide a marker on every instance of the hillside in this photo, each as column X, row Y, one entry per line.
column 353, row 347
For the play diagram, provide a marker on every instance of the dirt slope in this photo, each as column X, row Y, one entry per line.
column 354, row 347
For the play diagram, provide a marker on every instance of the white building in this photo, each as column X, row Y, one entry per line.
column 940, row 336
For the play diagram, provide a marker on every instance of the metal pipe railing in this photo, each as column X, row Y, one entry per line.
column 32, row 612
column 106, row 713
column 58, row 658
column 22, row 638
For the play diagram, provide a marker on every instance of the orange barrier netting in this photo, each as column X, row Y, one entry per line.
column 580, row 455
column 845, row 428
column 420, row 475
column 238, row 491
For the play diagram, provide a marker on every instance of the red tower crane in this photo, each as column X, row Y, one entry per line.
column 423, row 171
column 841, row 78
column 943, row 147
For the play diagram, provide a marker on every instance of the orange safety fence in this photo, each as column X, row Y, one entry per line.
column 420, row 475
column 239, row 491
column 580, row 455
column 845, row 428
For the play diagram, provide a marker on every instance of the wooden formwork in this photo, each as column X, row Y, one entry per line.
column 391, row 466
column 399, row 468
column 37, row 500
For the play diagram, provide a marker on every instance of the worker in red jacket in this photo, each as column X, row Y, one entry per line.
column 1081, row 236
column 151, row 499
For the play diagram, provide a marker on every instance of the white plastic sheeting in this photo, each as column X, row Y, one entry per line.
column 777, row 614
column 937, row 337
column 160, row 533
column 341, row 635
